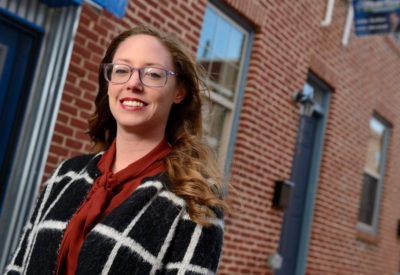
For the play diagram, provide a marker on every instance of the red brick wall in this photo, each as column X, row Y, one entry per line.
column 288, row 42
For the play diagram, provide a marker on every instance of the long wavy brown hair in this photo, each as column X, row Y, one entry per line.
column 191, row 165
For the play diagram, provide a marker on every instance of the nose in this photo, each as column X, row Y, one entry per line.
column 134, row 80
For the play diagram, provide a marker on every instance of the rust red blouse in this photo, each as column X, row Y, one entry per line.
column 108, row 191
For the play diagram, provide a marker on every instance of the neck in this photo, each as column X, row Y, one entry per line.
column 131, row 147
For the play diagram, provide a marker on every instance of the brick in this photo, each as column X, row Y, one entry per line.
column 90, row 96
column 154, row 4
column 157, row 16
column 68, row 109
column 80, row 40
column 78, row 123
column 63, row 130
column 87, row 33
column 96, row 49
column 68, row 98
column 72, row 89
column 178, row 12
column 167, row 14
column 71, row 78
column 83, row 104
column 88, row 86
column 140, row 6
column 195, row 23
column 100, row 30
column 89, row 12
column 78, row 70
column 133, row 19
column 58, row 139
column 88, row 148
column 93, row 78
column 81, row 136
column 52, row 159
column 62, row 118
column 73, row 144
column 144, row 17
column 173, row 27
column 76, row 59
column 85, row 115
column 58, row 150
column 106, row 24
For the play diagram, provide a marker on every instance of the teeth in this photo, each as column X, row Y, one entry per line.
column 132, row 103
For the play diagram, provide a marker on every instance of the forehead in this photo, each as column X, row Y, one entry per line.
column 143, row 49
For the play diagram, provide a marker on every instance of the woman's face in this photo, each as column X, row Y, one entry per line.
column 137, row 108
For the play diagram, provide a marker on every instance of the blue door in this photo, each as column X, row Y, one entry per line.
column 293, row 217
column 19, row 50
column 297, row 220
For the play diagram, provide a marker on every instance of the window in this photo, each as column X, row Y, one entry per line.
column 396, row 36
column 373, row 175
column 221, row 51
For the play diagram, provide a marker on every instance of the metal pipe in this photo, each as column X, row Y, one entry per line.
column 31, row 154
column 348, row 25
column 328, row 14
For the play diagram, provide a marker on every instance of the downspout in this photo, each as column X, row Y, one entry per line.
column 347, row 27
column 328, row 14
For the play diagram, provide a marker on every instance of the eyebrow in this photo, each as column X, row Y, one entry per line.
column 145, row 64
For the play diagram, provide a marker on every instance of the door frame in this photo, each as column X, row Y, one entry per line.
column 17, row 114
column 29, row 161
column 314, row 174
column 321, row 113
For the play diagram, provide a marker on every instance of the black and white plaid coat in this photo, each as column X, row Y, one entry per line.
column 149, row 233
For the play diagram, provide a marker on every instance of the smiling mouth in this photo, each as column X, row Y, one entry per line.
column 132, row 103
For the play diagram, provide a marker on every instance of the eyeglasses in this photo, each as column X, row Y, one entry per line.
column 148, row 76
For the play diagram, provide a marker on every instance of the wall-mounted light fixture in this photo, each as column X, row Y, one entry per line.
column 282, row 193
column 306, row 101
column 398, row 228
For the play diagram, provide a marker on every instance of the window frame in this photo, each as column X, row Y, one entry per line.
column 373, row 227
column 231, row 124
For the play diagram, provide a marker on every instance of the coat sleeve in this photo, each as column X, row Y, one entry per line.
column 195, row 249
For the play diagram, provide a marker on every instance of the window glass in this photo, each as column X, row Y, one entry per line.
column 375, row 146
column 207, row 34
column 222, row 31
column 373, row 175
column 235, row 45
column 368, row 196
column 221, row 53
column 213, row 118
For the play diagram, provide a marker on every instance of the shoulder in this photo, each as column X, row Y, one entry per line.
column 163, row 183
column 77, row 165
column 79, row 162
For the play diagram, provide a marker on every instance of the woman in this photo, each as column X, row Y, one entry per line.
column 149, row 201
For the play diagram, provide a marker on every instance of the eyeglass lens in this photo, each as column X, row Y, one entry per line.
column 120, row 73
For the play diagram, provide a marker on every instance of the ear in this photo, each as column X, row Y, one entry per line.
column 180, row 95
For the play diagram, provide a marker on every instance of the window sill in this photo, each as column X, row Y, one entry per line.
column 366, row 237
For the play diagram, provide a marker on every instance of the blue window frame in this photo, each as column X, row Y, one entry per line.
column 224, row 51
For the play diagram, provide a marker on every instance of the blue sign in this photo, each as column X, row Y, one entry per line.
column 60, row 3
column 376, row 16
column 116, row 7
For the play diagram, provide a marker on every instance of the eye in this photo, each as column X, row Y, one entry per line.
column 153, row 73
column 121, row 71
